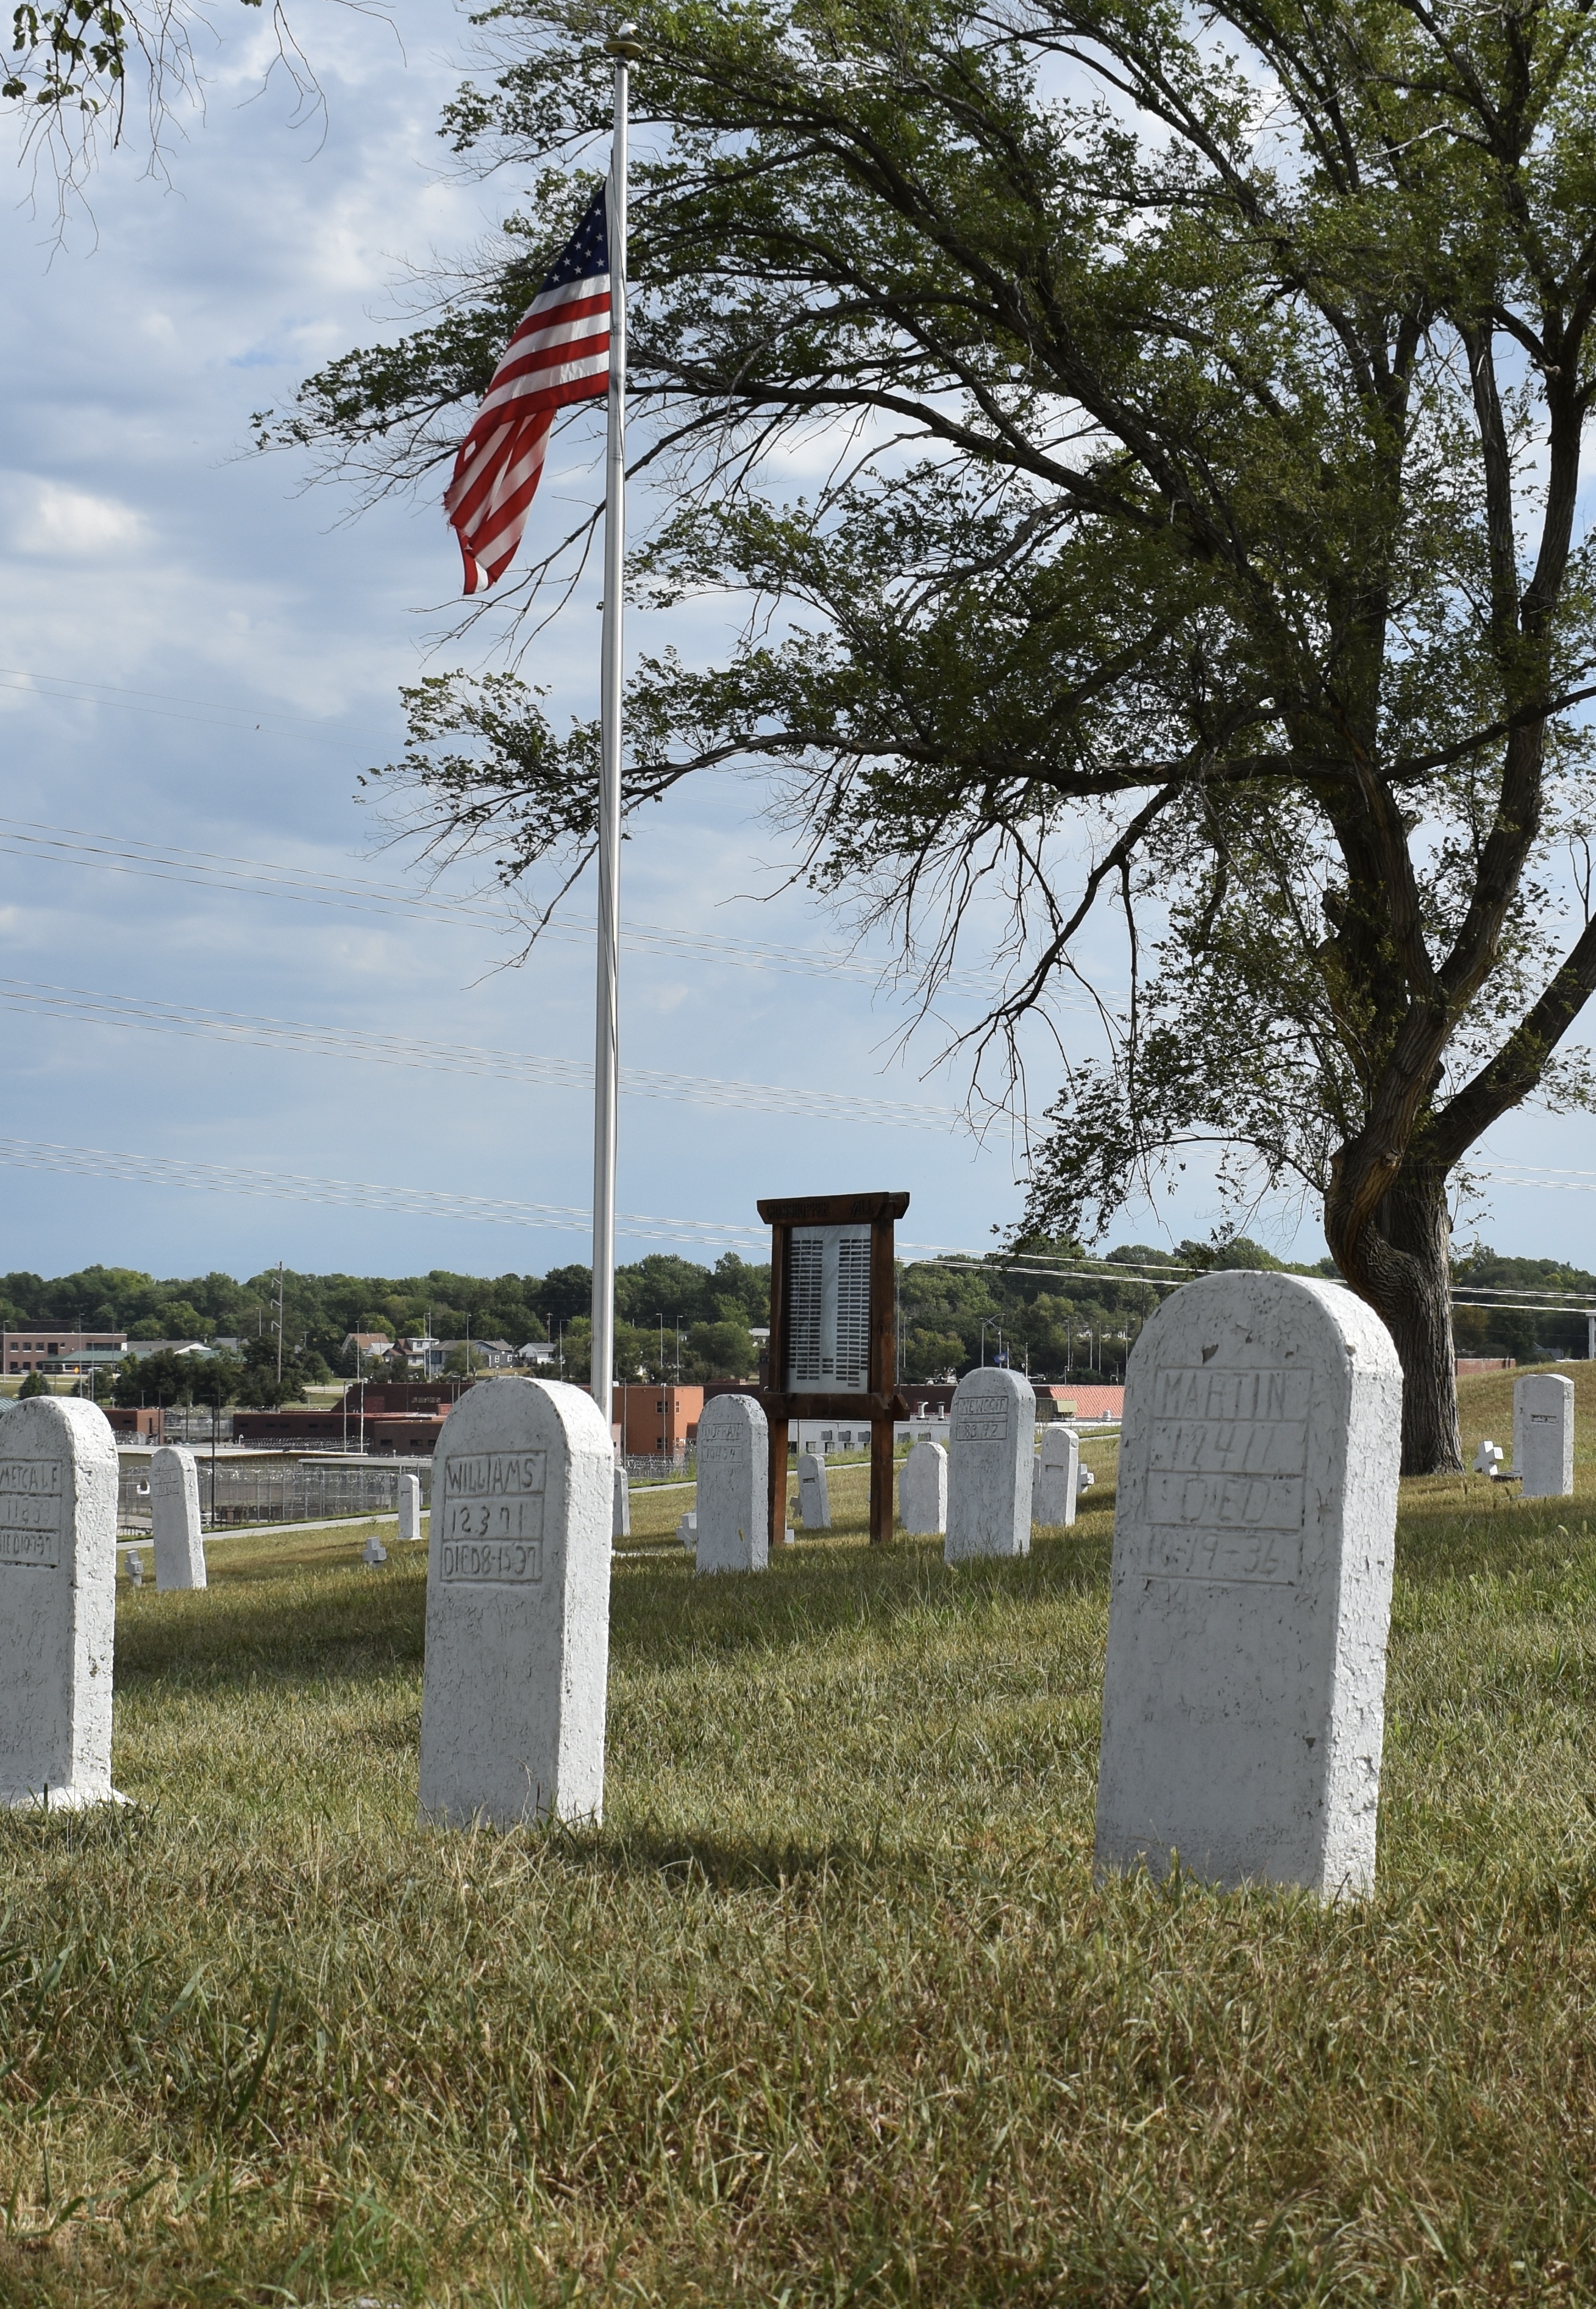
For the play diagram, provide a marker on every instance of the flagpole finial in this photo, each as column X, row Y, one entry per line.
column 623, row 42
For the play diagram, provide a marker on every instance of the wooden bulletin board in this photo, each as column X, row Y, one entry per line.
column 833, row 1333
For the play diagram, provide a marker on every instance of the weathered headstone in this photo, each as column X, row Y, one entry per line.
column 174, row 1530
column 57, row 1603
column 1255, row 1530
column 410, row 1507
column 922, row 1490
column 1488, row 1459
column 1084, row 1481
column 1058, row 1477
column 517, row 1606
column 989, row 1474
column 814, row 1491
column 136, row 1568
column 620, row 1515
column 374, row 1552
column 1543, row 1435
column 734, row 1485
column 686, row 1531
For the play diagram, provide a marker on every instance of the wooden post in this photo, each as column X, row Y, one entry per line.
column 883, row 1375
column 775, row 1378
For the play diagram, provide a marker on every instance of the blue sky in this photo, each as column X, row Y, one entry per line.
column 246, row 640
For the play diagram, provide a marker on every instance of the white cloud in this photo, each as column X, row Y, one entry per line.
column 67, row 523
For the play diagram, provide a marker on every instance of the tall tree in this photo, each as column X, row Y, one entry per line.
column 1205, row 397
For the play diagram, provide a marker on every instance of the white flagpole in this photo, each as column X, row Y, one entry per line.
column 607, row 1023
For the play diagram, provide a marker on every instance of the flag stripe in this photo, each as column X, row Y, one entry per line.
column 558, row 353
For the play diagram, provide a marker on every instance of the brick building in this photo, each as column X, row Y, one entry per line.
column 650, row 1421
column 48, row 1347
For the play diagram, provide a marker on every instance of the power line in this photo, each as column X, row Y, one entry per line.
column 262, row 877
column 420, row 1202
column 86, row 1006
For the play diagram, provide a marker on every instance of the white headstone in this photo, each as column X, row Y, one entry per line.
column 57, row 1603
column 1084, row 1481
column 1058, row 1477
column 1243, row 1696
column 517, row 1606
column 620, row 1518
column 814, row 1491
column 374, row 1552
column 175, row 1519
column 686, row 1531
column 1488, row 1458
column 135, row 1567
column 410, row 1507
column 1543, row 1435
column 922, row 1490
column 734, row 1485
column 989, row 1474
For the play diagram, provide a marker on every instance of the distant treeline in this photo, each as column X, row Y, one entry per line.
column 1044, row 1305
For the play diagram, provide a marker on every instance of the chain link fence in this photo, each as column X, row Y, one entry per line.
column 293, row 1490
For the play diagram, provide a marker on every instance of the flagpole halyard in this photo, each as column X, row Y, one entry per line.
column 607, row 1021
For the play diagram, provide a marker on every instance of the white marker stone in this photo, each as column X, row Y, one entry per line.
column 814, row 1491
column 517, row 1606
column 922, row 1490
column 1543, row 1435
column 733, row 1501
column 374, row 1552
column 1243, row 1697
column 136, row 1568
column 989, row 1477
column 175, row 1519
column 686, row 1531
column 1058, row 1477
column 1084, row 1481
column 621, row 1513
column 1488, row 1458
column 57, row 1603
column 410, row 1507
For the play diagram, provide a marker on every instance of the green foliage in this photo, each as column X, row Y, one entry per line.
column 1225, row 564
column 35, row 1383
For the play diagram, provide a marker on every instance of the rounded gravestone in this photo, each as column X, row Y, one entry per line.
column 814, row 1490
column 1058, row 1478
column 410, row 1507
column 517, row 1606
column 922, row 1490
column 175, row 1531
column 732, row 1500
column 1254, row 1530
column 992, row 1433
column 57, row 1603
column 1543, row 1435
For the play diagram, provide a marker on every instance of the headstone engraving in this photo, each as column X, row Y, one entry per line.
column 175, row 1519
column 1058, row 1477
column 621, row 1514
column 1543, row 1435
column 733, row 1501
column 922, row 1490
column 1254, row 1531
column 814, row 1491
column 517, row 1606
column 57, row 1603
column 410, row 1507
column 989, row 1472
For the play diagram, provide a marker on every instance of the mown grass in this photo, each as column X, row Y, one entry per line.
column 830, row 2009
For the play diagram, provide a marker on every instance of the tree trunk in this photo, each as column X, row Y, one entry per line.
column 1399, row 1262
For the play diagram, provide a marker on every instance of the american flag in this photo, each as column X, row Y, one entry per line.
column 560, row 353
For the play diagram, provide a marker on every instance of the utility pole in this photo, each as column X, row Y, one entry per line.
column 279, row 1322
